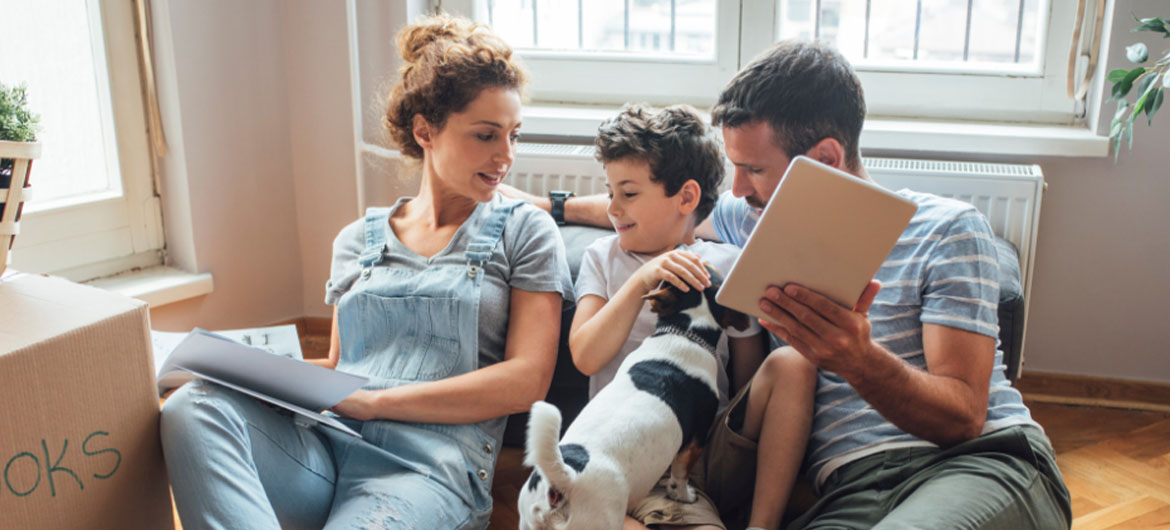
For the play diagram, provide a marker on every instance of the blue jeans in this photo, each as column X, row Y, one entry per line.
column 237, row 463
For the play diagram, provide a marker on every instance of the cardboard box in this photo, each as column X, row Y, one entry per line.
column 79, row 442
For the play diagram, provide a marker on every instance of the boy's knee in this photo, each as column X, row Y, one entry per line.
column 785, row 362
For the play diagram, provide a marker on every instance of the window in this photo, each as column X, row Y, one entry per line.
column 964, row 59
column 943, row 58
column 614, row 51
column 93, row 210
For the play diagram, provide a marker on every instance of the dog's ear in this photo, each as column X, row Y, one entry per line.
column 735, row 319
column 663, row 301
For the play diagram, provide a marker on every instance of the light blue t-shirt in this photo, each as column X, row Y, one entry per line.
column 943, row 270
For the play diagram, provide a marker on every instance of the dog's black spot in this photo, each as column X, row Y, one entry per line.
column 533, row 481
column 677, row 320
column 680, row 320
column 575, row 456
column 693, row 402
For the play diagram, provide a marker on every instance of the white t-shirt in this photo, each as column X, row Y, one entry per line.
column 605, row 267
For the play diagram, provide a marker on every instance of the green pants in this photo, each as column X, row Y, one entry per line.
column 1003, row 480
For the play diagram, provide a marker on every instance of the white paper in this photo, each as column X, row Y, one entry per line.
column 315, row 416
column 296, row 385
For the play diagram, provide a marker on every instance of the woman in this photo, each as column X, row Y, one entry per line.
column 443, row 300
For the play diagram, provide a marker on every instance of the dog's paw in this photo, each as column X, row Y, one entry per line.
column 680, row 490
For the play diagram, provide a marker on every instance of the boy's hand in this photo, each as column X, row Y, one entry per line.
column 680, row 268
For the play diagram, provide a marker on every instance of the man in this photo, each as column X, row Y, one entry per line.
column 915, row 424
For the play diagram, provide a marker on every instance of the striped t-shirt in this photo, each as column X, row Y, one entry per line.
column 943, row 270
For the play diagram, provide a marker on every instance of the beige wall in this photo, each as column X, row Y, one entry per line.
column 236, row 163
column 269, row 148
column 1102, row 277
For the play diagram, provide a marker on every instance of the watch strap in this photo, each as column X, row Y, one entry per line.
column 557, row 205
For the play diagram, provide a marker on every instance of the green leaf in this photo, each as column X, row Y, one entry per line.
column 1116, row 145
column 1152, row 24
column 17, row 123
column 1137, row 52
column 1121, row 88
column 1153, row 106
column 1145, row 87
column 1165, row 80
column 1146, row 82
column 1122, row 107
column 1116, row 75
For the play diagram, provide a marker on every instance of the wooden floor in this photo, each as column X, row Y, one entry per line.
column 1116, row 463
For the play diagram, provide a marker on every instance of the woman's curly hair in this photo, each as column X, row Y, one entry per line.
column 448, row 62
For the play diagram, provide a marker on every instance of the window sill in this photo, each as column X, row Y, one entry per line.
column 880, row 134
column 157, row 286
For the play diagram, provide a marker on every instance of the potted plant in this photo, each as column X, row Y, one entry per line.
column 1150, row 79
column 18, row 147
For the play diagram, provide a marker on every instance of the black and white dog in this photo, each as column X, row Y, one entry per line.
column 655, row 413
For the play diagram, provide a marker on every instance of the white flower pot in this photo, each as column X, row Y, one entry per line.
column 13, row 191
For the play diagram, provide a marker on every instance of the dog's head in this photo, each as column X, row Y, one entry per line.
column 688, row 309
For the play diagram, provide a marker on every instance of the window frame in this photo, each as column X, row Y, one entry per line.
column 981, row 96
column 1038, row 98
column 617, row 79
column 107, row 232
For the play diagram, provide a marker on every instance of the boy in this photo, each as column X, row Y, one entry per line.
column 663, row 169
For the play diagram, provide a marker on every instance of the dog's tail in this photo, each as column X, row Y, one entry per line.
column 544, row 431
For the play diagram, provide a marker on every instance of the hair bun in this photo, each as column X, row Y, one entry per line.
column 414, row 40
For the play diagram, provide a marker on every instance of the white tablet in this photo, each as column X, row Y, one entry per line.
column 824, row 229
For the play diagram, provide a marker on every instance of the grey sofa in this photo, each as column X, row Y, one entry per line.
column 570, row 388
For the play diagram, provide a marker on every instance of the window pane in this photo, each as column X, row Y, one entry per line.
column 944, row 29
column 993, row 31
column 604, row 22
column 650, row 25
column 917, row 34
column 512, row 19
column 52, row 50
column 694, row 24
column 556, row 24
column 684, row 28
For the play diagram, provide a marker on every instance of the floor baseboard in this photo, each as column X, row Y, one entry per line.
column 1095, row 391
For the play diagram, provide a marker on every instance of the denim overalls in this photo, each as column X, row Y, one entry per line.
column 400, row 326
column 235, row 461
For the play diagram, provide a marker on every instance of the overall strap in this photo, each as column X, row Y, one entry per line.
column 375, row 228
column 481, row 246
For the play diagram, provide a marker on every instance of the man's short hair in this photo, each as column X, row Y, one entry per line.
column 674, row 141
column 806, row 91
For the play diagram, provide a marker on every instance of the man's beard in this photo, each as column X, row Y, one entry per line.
column 755, row 202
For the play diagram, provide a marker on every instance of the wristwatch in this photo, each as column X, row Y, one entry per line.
column 556, row 201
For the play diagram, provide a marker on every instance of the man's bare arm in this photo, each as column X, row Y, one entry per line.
column 583, row 210
column 945, row 404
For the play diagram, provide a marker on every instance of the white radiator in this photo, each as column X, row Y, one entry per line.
column 1008, row 194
